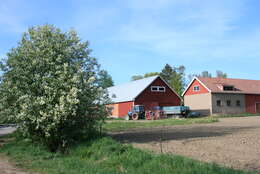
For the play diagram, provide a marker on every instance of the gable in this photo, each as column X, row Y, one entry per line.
column 163, row 96
column 197, row 85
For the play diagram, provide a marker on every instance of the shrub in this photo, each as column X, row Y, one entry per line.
column 50, row 87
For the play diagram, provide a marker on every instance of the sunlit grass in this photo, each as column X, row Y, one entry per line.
column 120, row 125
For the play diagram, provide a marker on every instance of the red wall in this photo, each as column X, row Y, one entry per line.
column 150, row 99
column 124, row 108
column 251, row 101
column 202, row 90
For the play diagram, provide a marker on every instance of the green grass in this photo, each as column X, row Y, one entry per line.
column 118, row 125
column 104, row 156
column 236, row 115
column 110, row 118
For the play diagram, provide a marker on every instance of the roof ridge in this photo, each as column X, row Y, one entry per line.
column 226, row 78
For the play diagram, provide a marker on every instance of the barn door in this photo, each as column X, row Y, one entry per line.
column 257, row 107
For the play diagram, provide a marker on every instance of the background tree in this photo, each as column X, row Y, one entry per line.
column 50, row 87
column 202, row 74
column 206, row 74
column 136, row 77
column 175, row 77
column 221, row 74
column 167, row 73
column 151, row 74
column 191, row 76
column 105, row 80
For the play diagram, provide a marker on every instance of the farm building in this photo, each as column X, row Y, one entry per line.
column 150, row 92
column 223, row 96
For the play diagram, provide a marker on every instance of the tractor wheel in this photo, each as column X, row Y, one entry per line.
column 135, row 116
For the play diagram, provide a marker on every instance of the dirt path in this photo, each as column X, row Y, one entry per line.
column 5, row 166
column 232, row 142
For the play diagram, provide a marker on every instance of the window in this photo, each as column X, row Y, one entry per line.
column 196, row 88
column 219, row 103
column 162, row 89
column 154, row 88
column 238, row 103
column 158, row 89
column 228, row 88
column 228, row 102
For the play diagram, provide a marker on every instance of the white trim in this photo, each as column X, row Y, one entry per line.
column 153, row 89
column 158, row 89
column 152, row 82
column 188, row 86
column 195, row 78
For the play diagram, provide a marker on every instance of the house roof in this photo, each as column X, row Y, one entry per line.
column 129, row 91
column 242, row 86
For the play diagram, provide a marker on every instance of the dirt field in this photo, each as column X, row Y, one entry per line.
column 232, row 142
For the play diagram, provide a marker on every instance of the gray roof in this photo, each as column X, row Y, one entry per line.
column 129, row 91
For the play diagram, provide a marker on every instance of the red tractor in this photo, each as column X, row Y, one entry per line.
column 139, row 112
column 154, row 114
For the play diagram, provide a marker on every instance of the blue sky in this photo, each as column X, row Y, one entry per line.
column 132, row 37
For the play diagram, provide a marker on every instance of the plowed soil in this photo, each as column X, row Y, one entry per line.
column 231, row 142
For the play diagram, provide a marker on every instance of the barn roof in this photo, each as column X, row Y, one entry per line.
column 241, row 86
column 129, row 91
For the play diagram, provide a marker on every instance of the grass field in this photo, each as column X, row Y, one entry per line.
column 104, row 156
column 237, row 115
column 120, row 125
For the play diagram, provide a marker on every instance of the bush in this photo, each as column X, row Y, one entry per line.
column 50, row 87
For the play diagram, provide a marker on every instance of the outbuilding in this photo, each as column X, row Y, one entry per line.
column 150, row 92
column 223, row 96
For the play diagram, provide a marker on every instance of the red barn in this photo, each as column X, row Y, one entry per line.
column 223, row 96
column 150, row 92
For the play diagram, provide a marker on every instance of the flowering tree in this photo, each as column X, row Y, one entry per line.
column 50, row 87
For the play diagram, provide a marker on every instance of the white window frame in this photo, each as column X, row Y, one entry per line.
column 157, row 88
column 196, row 88
column 154, row 90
